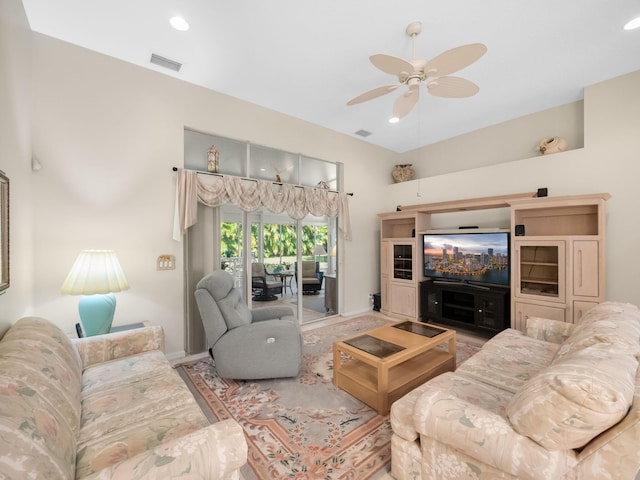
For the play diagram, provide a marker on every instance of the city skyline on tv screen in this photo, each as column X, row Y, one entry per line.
column 472, row 243
column 479, row 257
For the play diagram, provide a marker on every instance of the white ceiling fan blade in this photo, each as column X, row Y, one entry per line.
column 405, row 103
column 389, row 64
column 452, row 87
column 455, row 59
column 371, row 94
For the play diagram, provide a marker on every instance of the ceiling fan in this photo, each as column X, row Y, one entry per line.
column 435, row 73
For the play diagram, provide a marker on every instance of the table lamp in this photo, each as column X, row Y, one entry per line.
column 96, row 274
column 318, row 250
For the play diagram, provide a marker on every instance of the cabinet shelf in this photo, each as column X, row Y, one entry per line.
column 458, row 307
column 557, row 216
column 539, row 264
column 485, row 311
column 545, row 281
column 541, row 293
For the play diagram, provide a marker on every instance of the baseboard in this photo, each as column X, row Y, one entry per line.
column 175, row 355
column 358, row 312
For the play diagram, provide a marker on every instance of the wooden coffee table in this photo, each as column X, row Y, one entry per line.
column 381, row 365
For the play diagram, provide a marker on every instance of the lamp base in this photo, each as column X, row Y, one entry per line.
column 96, row 313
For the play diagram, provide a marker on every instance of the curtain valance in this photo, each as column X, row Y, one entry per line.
column 249, row 195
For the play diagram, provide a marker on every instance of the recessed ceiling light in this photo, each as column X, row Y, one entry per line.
column 179, row 23
column 394, row 120
column 635, row 23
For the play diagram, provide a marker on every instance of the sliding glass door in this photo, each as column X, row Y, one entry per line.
column 233, row 240
column 274, row 244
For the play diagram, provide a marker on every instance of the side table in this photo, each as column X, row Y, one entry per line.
column 284, row 276
column 115, row 328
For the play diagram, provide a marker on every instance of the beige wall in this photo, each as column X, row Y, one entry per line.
column 107, row 134
column 607, row 163
column 505, row 142
column 15, row 156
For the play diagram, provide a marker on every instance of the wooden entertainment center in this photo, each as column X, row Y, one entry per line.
column 556, row 264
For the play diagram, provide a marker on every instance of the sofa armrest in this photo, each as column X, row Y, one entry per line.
column 215, row 452
column 485, row 435
column 553, row 331
column 102, row 348
column 615, row 453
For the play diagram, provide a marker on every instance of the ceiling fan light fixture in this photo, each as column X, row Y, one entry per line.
column 633, row 24
column 434, row 73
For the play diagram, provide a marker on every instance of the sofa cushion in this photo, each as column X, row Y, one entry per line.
column 215, row 452
column 468, row 416
column 404, row 413
column 608, row 326
column 129, row 406
column 118, row 406
column 570, row 402
column 522, row 346
column 548, row 330
column 39, row 401
column 509, row 360
column 123, row 371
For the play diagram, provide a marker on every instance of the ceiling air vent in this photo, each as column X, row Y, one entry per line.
column 165, row 62
column 363, row 133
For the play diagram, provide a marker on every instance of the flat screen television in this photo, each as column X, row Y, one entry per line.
column 480, row 258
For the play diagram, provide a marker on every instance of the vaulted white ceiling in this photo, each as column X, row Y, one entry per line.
column 307, row 58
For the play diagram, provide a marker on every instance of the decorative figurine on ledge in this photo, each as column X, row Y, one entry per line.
column 403, row 173
column 213, row 159
column 552, row 145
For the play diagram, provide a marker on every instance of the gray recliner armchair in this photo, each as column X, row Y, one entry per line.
column 247, row 344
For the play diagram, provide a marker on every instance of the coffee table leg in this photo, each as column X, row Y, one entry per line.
column 452, row 349
column 383, row 390
column 336, row 363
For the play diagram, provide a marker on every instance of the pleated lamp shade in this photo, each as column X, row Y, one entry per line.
column 95, row 271
column 96, row 274
column 319, row 250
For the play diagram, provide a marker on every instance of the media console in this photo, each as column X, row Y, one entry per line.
column 481, row 308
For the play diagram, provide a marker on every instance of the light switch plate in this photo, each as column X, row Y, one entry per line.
column 166, row 262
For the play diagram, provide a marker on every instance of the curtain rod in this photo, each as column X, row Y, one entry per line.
column 175, row 169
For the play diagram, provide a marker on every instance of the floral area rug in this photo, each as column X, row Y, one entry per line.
column 303, row 427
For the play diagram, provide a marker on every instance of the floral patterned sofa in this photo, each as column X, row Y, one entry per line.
column 108, row 406
column 559, row 402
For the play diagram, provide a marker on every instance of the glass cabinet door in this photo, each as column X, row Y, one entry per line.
column 403, row 262
column 540, row 270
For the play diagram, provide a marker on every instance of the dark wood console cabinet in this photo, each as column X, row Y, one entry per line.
column 482, row 309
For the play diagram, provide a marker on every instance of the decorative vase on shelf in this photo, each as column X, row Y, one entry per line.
column 213, row 159
column 403, row 173
column 552, row 145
